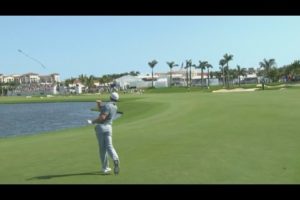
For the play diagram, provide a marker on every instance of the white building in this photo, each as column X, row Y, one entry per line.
column 251, row 76
column 8, row 79
column 142, row 81
column 76, row 87
column 17, row 78
column 127, row 81
column 30, row 78
column 97, row 84
column 32, row 84
column 52, row 78
column 54, row 89
column 55, row 77
column 161, row 83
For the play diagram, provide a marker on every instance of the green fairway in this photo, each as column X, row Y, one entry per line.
column 185, row 137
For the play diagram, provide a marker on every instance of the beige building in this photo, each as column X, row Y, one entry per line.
column 30, row 78
column 17, row 78
column 52, row 78
column 8, row 79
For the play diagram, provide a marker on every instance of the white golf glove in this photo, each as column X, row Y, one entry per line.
column 89, row 121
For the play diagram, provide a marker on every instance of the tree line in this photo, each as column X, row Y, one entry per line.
column 90, row 80
column 268, row 70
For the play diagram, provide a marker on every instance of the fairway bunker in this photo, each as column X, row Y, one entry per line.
column 235, row 90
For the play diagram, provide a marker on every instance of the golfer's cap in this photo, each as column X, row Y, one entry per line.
column 114, row 96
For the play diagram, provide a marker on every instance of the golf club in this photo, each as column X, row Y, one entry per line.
column 19, row 50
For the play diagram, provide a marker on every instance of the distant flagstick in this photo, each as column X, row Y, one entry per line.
column 32, row 58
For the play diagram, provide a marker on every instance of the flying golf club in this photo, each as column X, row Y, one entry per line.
column 19, row 50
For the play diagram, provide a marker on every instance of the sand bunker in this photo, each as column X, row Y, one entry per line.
column 236, row 90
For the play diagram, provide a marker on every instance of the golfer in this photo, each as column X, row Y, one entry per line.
column 104, row 133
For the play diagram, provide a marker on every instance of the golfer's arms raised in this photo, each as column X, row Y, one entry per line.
column 101, row 118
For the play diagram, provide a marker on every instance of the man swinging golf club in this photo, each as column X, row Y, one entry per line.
column 104, row 133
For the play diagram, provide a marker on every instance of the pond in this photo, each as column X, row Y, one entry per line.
column 24, row 119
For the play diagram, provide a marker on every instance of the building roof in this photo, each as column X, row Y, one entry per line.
column 127, row 78
column 30, row 73
column 15, row 75
column 44, row 75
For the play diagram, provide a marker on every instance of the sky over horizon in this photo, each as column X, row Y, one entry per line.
column 98, row 45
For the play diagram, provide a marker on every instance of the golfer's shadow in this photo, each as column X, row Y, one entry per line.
column 65, row 175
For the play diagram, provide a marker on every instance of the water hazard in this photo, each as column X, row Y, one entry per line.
column 23, row 119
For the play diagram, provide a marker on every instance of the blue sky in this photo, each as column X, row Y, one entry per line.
column 98, row 45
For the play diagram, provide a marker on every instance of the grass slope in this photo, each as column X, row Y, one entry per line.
column 172, row 138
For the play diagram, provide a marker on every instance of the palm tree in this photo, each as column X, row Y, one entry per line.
column 187, row 74
column 217, row 74
column 202, row 66
column 239, row 74
column 208, row 66
column 82, row 78
column 191, row 65
column 171, row 65
column 274, row 74
column 267, row 66
column 292, row 69
column 90, row 82
column 227, row 58
column 188, row 64
column 222, row 63
column 69, row 81
column 296, row 67
column 152, row 64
